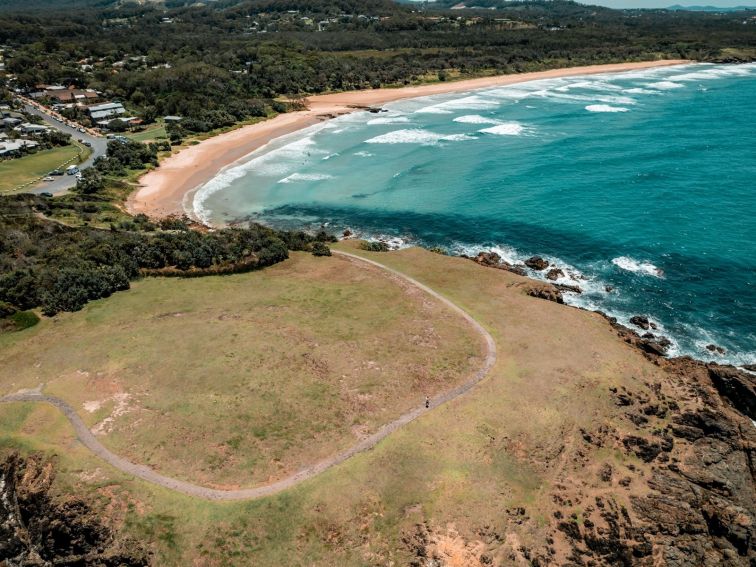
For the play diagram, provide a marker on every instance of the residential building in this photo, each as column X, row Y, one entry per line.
column 109, row 109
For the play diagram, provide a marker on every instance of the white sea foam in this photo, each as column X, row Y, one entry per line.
column 591, row 98
column 400, row 119
column 294, row 177
column 631, row 265
column 363, row 154
column 473, row 102
column 476, row 119
column 665, row 85
column 276, row 162
column 638, row 90
column 605, row 108
column 506, row 129
column 434, row 110
column 417, row 136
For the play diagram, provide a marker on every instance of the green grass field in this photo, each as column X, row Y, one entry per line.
column 150, row 134
column 16, row 172
column 460, row 471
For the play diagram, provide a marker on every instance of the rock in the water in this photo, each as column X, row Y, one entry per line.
column 536, row 263
column 715, row 348
column 568, row 288
column 641, row 321
column 554, row 274
column 609, row 288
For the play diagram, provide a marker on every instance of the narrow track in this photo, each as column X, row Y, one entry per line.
column 86, row 437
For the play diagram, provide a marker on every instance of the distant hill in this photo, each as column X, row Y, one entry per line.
column 678, row 7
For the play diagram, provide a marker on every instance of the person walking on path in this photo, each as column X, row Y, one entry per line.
column 427, row 402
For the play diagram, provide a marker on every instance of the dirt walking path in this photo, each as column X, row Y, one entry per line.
column 86, row 437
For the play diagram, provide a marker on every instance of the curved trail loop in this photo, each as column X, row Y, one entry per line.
column 86, row 437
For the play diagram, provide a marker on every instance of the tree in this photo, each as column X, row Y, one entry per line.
column 91, row 181
column 117, row 125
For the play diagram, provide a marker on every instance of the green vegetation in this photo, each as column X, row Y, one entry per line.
column 241, row 379
column 376, row 246
column 60, row 268
column 20, row 171
column 460, row 471
column 220, row 63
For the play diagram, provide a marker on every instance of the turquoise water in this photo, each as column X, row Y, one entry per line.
column 644, row 181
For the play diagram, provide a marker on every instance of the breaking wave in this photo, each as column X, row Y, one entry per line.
column 631, row 265
column 605, row 108
column 417, row 136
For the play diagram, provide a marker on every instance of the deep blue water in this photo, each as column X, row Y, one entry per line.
column 644, row 181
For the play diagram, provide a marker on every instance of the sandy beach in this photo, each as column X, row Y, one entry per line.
column 162, row 191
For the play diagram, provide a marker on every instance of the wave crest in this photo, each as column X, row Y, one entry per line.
column 632, row 265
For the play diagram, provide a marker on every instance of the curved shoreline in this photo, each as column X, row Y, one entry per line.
column 162, row 191
column 87, row 438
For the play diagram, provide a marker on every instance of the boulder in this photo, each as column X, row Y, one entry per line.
column 488, row 259
column 641, row 321
column 554, row 274
column 536, row 263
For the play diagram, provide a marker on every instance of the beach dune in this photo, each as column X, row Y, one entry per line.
column 163, row 191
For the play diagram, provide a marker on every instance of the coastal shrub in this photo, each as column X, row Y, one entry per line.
column 61, row 268
column 374, row 246
column 6, row 309
column 320, row 249
column 24, row 319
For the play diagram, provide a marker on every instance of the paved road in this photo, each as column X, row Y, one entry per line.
column 66, row 182
column 90, row 441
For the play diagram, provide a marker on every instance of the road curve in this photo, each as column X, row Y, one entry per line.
column 86, row 437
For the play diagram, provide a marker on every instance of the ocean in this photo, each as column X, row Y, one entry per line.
column 641, row 182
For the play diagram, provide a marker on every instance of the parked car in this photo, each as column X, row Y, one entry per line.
column 46, row 194
column 56, row 172
column 72, row 170
column 82, row 130
column 48, row 178
column 88, row 144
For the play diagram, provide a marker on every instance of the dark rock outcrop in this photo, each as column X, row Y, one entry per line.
column 554, row 274
column 736, row 386
column 536, row 263
column 548, row 292
column 641, row 321
column 493, row 260
column 38, row 529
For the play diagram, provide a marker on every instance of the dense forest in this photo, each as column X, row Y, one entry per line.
column 227, row 61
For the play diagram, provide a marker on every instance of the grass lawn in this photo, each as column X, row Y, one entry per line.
column 235, row 373
column 23, row 170
column 150, row 134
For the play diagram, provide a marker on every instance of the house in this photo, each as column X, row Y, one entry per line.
column 62, row 95
column 172, row 118
column 28, row 128
column 11, row 122
column 10, row 148
column 102, row 111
